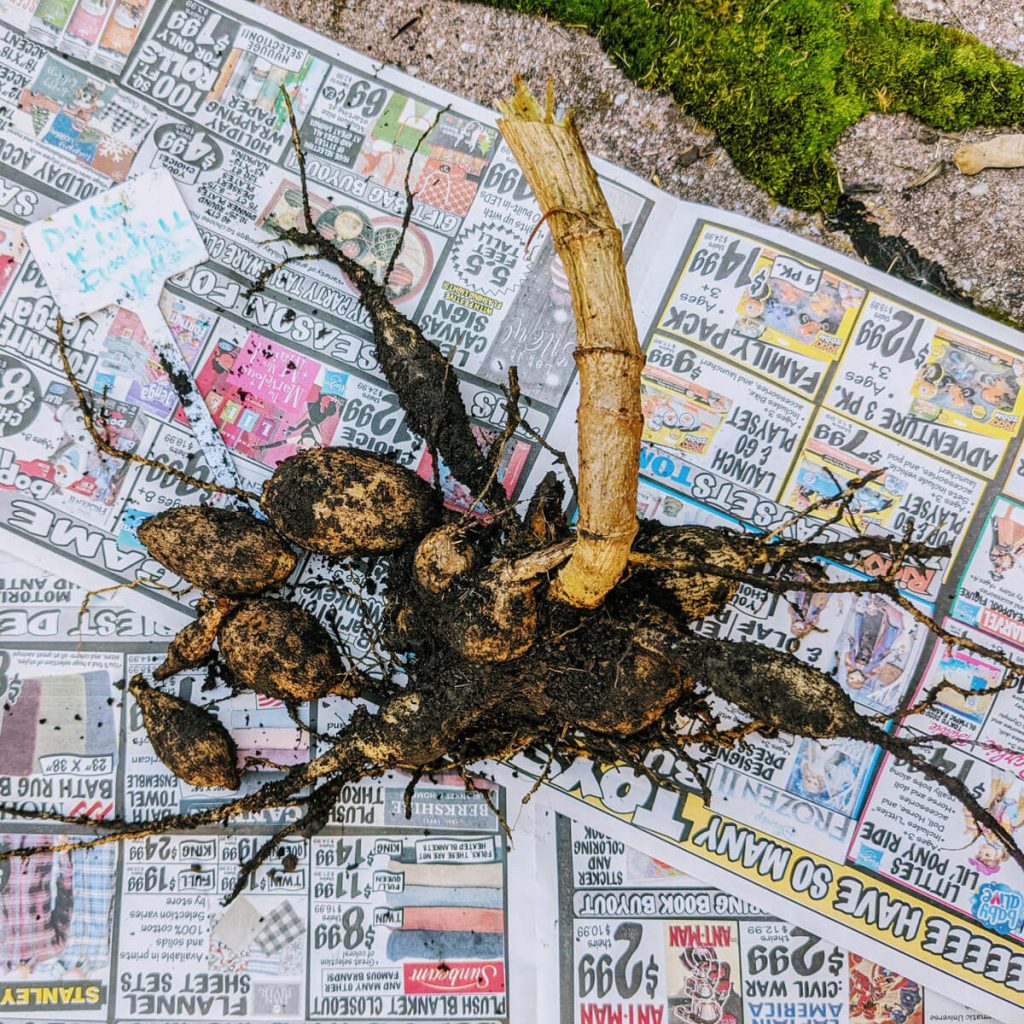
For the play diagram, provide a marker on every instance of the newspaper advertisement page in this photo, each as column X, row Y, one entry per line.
column 378, row 917
column 641, row 942
column 61, row 750
column 290, row 366
column 943, row 856
column 776, row 373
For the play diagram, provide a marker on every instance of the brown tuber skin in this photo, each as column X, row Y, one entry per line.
column 188, row 739
column 496, row 621
column 442, row 556
column 223, row 552
column 193, row 646
column 692, row 595
column 644, row 679
column 277, row 648
column 343, row 502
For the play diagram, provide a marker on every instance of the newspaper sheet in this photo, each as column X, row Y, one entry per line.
column 775, row 371
column 379, row 917
column 640, row 942
column 292, row 366
column 140, row 934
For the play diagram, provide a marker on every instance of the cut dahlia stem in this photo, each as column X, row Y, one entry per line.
column 607, row 354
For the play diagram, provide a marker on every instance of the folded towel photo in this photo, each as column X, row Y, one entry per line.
column 486, row 875
column 453, row 919
column 438, row 945
column 446, row 896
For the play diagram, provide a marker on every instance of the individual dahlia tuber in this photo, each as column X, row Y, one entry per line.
column 187, row 738
column 223, row 552
column 343, row 502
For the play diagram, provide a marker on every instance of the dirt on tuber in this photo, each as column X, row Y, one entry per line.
column 279, row 649
column 193, row 645
column 223, row 552
column 670, row 560
column 187, row 738
column 343, row 502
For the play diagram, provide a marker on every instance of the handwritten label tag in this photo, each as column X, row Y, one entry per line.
column 117, row 248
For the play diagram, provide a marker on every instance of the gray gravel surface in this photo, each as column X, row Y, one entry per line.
column 968, row 225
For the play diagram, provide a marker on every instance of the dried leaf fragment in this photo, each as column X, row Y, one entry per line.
column 929, row 174
column 187, row 738
column 1002, row 151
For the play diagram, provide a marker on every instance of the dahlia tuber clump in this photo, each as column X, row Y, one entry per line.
column 514, row 631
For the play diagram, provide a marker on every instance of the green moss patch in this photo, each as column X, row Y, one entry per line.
column 780, row 80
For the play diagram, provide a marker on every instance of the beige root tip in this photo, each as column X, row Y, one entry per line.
column 442, row 556
column 505, row 626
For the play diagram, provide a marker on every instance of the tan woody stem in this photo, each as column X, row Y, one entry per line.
column 608, row 357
